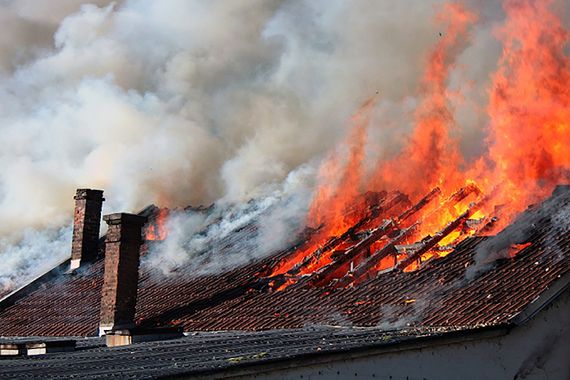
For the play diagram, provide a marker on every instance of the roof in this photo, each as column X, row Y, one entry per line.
column 208, row 353
column 443, row 292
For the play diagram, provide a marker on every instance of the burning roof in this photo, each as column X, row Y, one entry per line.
column 424, row 237
column 424, row 201
column 481, row 281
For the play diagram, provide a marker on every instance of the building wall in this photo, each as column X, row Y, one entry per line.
column 539, row 349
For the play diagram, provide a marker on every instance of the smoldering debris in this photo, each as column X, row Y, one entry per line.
column 555, row 212
column 228, row 235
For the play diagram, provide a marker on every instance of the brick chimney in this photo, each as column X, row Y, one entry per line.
column 119, row 293
column 86, row 223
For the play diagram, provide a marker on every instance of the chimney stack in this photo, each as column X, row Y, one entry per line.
column 86, row 223
column 119, row 293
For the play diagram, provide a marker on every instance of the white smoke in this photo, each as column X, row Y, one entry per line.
column 226, row 236
column 36, row 253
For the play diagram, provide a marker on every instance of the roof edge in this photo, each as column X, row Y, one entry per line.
column 545, row 299
column 34, row 284
column 320, row 357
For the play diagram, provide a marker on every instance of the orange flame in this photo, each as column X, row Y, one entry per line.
column 334, row 208
column 431, row 158
column 529, row 109
column 528, row 146
column 334, row 203
column 156, row 229
column 514, row 249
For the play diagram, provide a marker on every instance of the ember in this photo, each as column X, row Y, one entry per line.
column 514, row 249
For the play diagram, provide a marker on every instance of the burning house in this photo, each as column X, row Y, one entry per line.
column 377, row 300
column 367, row 302
column 422, row 265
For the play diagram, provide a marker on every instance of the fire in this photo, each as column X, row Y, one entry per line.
column 528, row 154
column 529, row 109
column 431, row 154
column 156, row 229
column 514, row 249
column 334, row 206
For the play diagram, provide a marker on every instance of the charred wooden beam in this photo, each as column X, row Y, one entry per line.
column 452, row 200
column 421, row 204
column 334, row 242
column 431, row 241
column 382, row 207
column 376, row 257
column 371, row 201
column 463, row 193
column 389, row 248
column 331, row 243
column 356, row 253
column 293, row 275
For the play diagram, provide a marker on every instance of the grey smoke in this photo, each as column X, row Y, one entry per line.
column 392, row 318
column 187, row 102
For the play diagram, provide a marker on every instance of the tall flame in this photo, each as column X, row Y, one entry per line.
column 529, row 108
column 431, row 157
column 528, row 153
column 333, row 209
column 333, row 205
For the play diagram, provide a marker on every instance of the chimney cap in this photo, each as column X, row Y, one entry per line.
column 121, row 217
column 91, row 194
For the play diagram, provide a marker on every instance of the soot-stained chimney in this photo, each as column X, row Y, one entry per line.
column 86, row 223
column 119, row 293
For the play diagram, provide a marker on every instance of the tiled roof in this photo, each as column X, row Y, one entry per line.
column 207, row 353
column 4, row 292
column 440, row 293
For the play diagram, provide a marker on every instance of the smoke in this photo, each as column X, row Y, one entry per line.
column 392, row 318
column 183, row 102
column 180, row 102
column 553, row 213
column 36, row 253
column 226, row 236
